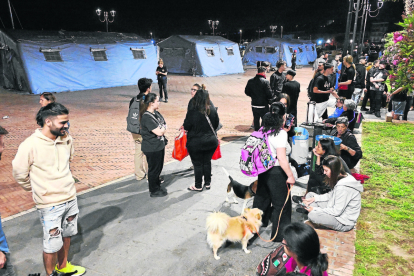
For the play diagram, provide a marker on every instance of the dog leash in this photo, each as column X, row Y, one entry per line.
column 278, row 223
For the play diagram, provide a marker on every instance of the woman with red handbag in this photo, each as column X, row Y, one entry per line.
column 200, row 123
column 347, row 85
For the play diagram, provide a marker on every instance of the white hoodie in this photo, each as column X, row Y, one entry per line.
column 344, row 201
column 42, row 165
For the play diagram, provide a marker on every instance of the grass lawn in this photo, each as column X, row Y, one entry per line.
column 385, row 229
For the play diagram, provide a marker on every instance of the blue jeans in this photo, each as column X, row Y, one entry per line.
column 162, row 85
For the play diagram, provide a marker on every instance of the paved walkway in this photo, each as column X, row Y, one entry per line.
column 122, row 231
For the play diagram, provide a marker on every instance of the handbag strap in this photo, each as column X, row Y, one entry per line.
column 153, row 116
column 208, row 120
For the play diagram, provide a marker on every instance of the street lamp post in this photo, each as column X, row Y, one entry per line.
column 106, row 17
column 273, row 29
column 151, row 35
column 355, row 26
column 240, row 36
column 213, row 25
column 371, row 13
column 281, row 31
column 260, row 31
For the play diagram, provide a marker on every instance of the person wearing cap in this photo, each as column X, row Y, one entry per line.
column 322, row 88
column 6, row 268
column 294, row 60
column 292, row 89
column 377, row 80
column 258, row 88
column 351, row 152
column 359, row 80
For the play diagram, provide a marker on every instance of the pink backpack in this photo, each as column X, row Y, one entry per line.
column 256, row 156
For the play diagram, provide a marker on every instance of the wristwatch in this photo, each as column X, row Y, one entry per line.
column 347, row 149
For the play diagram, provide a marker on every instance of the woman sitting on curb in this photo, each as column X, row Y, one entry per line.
column 340, row 208
column 301, row 244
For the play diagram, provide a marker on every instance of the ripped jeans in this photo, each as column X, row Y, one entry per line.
column 58, row 221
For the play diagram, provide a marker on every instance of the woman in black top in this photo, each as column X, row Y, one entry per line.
column 347, row 78
column 350, row 150
column 161, row 73
column 200, row 122
column 153, row 128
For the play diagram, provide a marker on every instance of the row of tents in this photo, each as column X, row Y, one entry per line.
column 49, row 61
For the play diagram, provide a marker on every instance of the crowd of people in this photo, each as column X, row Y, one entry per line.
column 333, row 196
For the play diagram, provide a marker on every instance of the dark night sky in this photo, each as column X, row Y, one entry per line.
column 165, row 18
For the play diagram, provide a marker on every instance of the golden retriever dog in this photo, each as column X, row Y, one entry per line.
column 221, row 227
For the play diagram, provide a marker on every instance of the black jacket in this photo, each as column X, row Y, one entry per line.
column 349, row 140
column 200, row 136
column 292, row 88
column 368, row 78
column 258, row 88
column 276, row 82
column 360, row 77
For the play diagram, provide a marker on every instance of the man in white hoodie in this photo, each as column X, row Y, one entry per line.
column 41, row 165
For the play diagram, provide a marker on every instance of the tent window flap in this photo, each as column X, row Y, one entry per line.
column 210, row 52
column 138, row 53
column 259, row 49
column 52, row 55
column 230, row 51
column 270, row 50
column 99, row 54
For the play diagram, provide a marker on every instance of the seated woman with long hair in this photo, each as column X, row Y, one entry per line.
column 340, row 208
column 301, row 244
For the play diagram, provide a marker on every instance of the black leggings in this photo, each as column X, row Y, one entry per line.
column 155, row 161
column 272, row 189
column 201, row 160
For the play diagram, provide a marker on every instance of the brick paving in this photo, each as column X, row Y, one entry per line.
column 104, row 149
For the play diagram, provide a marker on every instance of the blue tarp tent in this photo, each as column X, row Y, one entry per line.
column 200, row 55
column 51, row 61
column 272, row 49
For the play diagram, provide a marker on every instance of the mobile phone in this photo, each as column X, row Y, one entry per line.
column 303, row 204
column 289, row 120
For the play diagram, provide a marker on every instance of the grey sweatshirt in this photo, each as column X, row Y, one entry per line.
column 344, row 201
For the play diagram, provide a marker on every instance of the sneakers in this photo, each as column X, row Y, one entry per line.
column 70, row 269
column 159, row 193
column 166, row 100
column 371, row 112
column 364, row 109
column 378, row 114
column 161, row 100
column 297, row 199
column 302, row 211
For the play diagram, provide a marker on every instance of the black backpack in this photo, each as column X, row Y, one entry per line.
column 310, row 88
column 133, row 124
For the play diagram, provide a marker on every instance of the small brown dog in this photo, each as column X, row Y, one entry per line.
column 221, row 227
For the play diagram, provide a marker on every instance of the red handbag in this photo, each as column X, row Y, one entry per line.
column 343, row 87
column 180, row 147
column 217, row 153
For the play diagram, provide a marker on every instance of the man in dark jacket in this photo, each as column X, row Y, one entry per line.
column 294, row 61
column 278, row 78
column 351, row 152
column 292, row 88
column 258, row 88
column 367, row 95
column 359, row 80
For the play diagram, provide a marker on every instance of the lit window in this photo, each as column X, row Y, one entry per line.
column 210, row 52
column 259, row 49
column 138, row 53
column 52, row 54
column 270, row 50
column 99, row 54
column 230, row 51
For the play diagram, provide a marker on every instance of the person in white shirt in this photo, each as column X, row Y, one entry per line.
column 274, row 184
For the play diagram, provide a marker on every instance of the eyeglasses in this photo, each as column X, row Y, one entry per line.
column 192, row 89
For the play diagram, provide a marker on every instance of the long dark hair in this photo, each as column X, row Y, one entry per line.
column 201, row 101
column 328, row 145
column 273, row 120
column 145, row 102
column 303, row 240
column 284, row 96
column 337, row 170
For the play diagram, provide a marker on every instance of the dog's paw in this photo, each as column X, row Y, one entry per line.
column 247, row 251
column 217, row 257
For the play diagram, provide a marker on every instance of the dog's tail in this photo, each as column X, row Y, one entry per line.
column 227, row 173
column 217, row 223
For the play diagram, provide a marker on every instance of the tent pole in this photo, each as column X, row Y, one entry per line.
column 11, row 15
column 348, row 27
